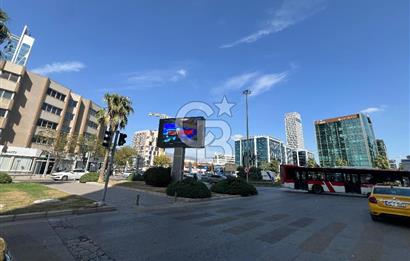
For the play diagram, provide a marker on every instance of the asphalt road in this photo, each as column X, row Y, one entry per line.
column 275, row 225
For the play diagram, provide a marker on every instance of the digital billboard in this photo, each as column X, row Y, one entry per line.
column 186, row 132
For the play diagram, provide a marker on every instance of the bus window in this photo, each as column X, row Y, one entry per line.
column 366, row 179
column 334, row 177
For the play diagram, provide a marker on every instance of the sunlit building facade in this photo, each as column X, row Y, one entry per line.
column 350, row 138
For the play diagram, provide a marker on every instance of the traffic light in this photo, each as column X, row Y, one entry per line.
column 121, row 139
column 107, row 139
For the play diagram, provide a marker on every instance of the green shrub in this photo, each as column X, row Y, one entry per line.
column 158, row 176
column 89, row 177
column 234, row 186
column 189, row 188
column 255, row 173
column 5, row 178
column 135, row 177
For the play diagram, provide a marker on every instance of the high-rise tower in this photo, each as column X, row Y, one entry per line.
column 294, row 130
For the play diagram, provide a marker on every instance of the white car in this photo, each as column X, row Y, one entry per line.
column 68, row 175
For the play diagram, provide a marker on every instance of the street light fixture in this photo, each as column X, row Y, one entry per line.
column 247, row 93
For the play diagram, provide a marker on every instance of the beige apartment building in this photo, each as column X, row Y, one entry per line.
column 145, row 143
column 32, row 105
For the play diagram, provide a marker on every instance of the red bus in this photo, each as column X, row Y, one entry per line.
column 340, row 180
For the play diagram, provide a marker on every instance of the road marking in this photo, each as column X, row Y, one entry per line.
column 302, row 222
column 320, row 240
column 276, row 235
column 193, row 216
column 217, row 221
column 250, row 213
column 239, row 229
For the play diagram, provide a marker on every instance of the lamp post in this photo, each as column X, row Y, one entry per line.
column 247, row 93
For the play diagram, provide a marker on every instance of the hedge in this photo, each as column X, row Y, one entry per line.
column 158, row 176
column 89, row 177
column 5, row 178
column 189, row 188
column 135, row 177
column 234, row 186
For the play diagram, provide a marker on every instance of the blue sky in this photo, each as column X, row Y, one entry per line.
column 320, row 58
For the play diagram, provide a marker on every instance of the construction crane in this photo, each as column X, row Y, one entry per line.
column 159, row 115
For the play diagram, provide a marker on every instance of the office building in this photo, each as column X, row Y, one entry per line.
column 145, row 143
column 299, row 157
column 381, row 147
column 405, row 164
column 393, row 164
column 33, row 111
column 18, row 49
column 350, row 138
column 261, row 149
column 222, row 160
column 294, row 130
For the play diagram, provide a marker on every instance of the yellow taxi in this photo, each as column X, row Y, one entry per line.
column 389, row 200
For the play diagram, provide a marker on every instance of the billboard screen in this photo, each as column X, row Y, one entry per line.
column 186, row 132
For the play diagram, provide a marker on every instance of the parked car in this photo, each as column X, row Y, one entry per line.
column 389, row 200
column 68, row 175
column 212, row 178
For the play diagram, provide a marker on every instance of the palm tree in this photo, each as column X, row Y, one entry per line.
column 4, row 31
column 115, row 117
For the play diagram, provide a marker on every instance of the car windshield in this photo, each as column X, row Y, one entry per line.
column 392, row 191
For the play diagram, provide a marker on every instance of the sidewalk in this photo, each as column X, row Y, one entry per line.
column 122, row 199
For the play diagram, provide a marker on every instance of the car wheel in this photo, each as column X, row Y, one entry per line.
column 65, row 178
column 317, row 189
column 375, row 217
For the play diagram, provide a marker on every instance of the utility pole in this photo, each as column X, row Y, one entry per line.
column 247, row 93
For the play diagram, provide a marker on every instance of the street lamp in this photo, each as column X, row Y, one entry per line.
column 247, row 93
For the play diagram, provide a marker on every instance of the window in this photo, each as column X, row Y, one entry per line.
column 51, row 108
column 3, row 113
column 92, row 124
column 41, row 140
column 72, row 103
column 9, row 76
column 56, row 94
column 47, row 124
column 6, row 94
column 21, row 164
column 68, row 116
column 66, row 129
column 93, row 112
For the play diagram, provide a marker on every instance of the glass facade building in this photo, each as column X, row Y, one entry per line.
column 19, row 47
column 261, row 148
column 350, row 138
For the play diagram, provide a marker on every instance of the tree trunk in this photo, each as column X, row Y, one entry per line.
column 103, row 167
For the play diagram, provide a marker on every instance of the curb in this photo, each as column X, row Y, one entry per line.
column 55, row 213
column 180, row 198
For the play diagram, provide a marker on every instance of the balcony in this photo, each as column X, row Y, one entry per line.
column 6, row 104
column 45, row 115
column 8, row 85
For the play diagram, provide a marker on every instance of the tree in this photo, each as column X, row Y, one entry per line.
column 341, row 162
column 161, row 161
column 55, row 144
column 4, row 31
column 381, row 162
column 273, row 165
column 124, row 155
column 311, row 163
column 115, row 117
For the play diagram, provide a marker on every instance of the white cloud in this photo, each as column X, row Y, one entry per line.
column 152, row 78
column 236, row 137
column 374, row 109
column 59, row 67
column 256, row 82
column 290, row 13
